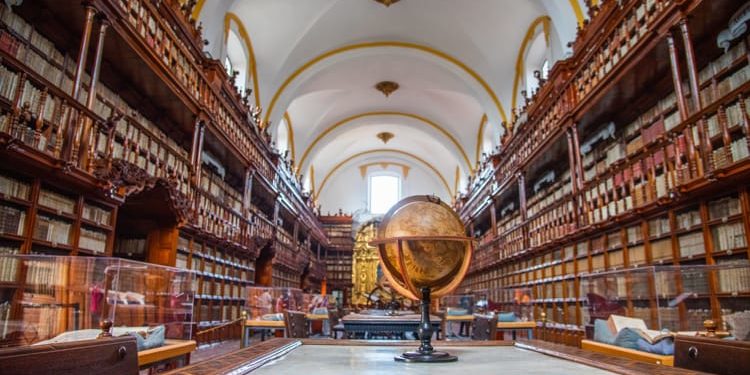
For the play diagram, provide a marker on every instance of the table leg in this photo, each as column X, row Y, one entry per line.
column 513, row 331
column 262, row 335
column 530, row 333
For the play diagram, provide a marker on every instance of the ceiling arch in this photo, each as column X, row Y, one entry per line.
column 456, row 63
column 380, row 151
column 351, row 119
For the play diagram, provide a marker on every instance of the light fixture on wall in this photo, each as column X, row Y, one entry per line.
column 386, row 87
column 387, row 3
column 385, row 136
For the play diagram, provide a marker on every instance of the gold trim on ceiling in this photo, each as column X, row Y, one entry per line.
column 408, row 154
column 577, row 11
column 384, row 165
column 384, row 113
column 386, row 87
column 392, row 44
column 312, row 181
column 197, row 9
column 290, row 135
column 480, row 134
column 251, row 69
column 520, row 59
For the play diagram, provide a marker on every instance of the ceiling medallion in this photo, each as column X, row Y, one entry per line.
column 386, row 87
column 387, row 3
column 385, row 136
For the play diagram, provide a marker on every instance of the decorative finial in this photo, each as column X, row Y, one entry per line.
column 386, row 87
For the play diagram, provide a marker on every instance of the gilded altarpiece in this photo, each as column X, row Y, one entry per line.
column 364, row 264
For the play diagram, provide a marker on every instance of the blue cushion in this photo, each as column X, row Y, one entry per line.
column 506, row 317
column 627, row 338
column 154, row 338
column 602, row 333
column 663, row 347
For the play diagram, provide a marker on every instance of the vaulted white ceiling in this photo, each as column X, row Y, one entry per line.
column 317, row 62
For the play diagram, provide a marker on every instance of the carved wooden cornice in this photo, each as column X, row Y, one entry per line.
column 126, row 179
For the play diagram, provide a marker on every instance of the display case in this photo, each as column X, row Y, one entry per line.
column 458, row 304
column 517, row 301
column 65, row 298
column 317, row 304
column 268, row 303
column 677, row 298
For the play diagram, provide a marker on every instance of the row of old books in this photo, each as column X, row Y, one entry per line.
column 723, row 62
column 12, row 220
column 729, row 236
column 93, row 240
column 97, row 214
column 724, row 156
column 221, row 190
column 56, row 201
column 632, row 27
column 215, row 218
column 51, row 229
column 131, row 247
column 8, row 265
column 151, row 138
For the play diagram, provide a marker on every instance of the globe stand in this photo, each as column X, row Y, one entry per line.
column 425, row 352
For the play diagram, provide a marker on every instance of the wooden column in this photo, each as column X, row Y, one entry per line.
column 691, row 66
column 83, row 49
column 493, row 218
column 522, row 194
column 86, row 135
column 577, row 155
column 676, row 78
column 574, row 176
column 247, row 193
column 197, row 149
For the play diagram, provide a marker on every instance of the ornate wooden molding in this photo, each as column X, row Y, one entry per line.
column 125, row 179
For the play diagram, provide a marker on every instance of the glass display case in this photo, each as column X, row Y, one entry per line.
column 269, row 303
column 316, row 303
column 517, row 301
column 457, row 304
column 677, row 298
column 46, row 299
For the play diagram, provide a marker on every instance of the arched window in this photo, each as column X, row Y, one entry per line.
column 384, row 191
column 237, row 61
column 537, row 59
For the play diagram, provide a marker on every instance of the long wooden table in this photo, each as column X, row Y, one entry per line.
column 501, row 326
column 172, row 350
column 273, row 325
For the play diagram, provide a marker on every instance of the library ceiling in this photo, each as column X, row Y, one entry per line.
column 332, row 74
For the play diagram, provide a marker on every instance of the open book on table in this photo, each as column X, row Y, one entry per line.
column 617, row 322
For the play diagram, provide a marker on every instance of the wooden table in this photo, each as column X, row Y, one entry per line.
column 171, row 351
column 513, row 326
column 465, row 320
column 273, row 325
column 396, row 324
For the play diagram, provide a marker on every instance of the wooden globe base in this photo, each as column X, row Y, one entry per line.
column 425, row 352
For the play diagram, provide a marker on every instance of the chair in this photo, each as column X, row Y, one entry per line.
column 334, row 322
column 485, row 327
column 296, row 324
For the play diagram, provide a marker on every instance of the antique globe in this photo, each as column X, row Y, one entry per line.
column 424, row 252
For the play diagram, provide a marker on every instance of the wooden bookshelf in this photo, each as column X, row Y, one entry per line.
column 144, row 151
column 583, row 184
